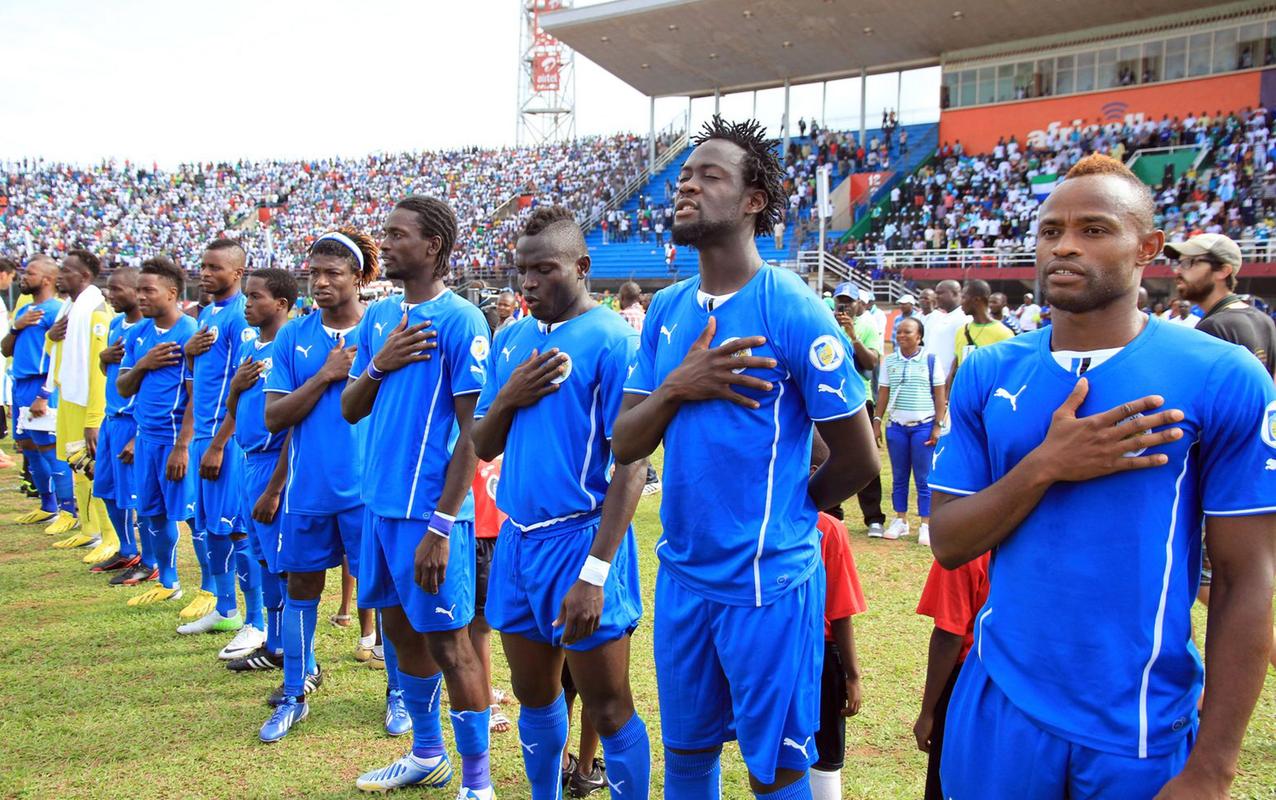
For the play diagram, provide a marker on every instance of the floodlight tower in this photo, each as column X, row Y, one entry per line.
column 546, row 79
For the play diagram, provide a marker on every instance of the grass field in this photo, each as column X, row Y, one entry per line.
column 100, row 700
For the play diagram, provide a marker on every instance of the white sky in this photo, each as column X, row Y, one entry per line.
column 172, row 81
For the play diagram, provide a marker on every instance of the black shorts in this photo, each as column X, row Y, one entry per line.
column 483, row 549
column 830, row 739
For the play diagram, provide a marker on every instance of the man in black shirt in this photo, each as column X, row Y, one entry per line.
column 1206, row 275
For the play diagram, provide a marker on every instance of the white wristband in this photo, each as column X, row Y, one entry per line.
column 595, row 571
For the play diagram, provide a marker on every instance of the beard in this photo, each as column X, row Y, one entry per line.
column 1196, row 291
column 701, row 233
column 1098, row 292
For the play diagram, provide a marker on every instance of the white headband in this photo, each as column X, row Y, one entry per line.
column 341, row 238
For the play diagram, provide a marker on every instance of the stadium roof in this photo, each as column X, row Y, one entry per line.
column 692, row 47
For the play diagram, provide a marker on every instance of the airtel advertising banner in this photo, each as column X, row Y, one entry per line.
column 979, row 128
column 863, row 184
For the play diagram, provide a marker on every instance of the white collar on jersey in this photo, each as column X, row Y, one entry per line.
column 337, row 332
column 550, row 327
column 406, row 306
column 712, row 301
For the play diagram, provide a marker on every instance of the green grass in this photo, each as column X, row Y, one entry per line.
column 100, row 700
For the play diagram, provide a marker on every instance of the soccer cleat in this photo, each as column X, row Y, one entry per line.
column 100, row 553
column 245, row 642
column 155, row 594
column 34, row 516
column 313, row 681
column 116, row 562
column 363, row 654
column 408, row 771
column 923, row 534
column 467, row 793
column 286, row 714
column 897, row 529
column 138, row 573
column 397, row 721
column 65, row 522
column 377, row 661
column 259, row 659
column 77, row 539
column 651, row 488
column 875, row 530
column 203, row 603
column 584, row 785
column 210, row 622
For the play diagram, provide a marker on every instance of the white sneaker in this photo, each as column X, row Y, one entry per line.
column 205, row 624
column 897, row 529
column 875, row 530
column 245, row 642
column 923, row 534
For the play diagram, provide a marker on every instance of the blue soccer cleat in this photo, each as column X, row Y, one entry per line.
column 397, row 721
column 407, row 771
column 288, row 713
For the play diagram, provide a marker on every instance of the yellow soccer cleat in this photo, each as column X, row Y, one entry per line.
column 64, row 523
column 199, row 606
column 32, row 517
column 102, row 552
column 155, row 594
column 77, row 539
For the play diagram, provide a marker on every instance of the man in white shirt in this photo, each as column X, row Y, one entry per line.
column 1181, row 314
column 879, row 316
column 942, row 324
column 1029, row 314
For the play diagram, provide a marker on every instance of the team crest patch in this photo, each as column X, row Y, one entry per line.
column 1268, row 430
column 479, row 348
column 1141, row 450
column 748, row 351
column 826, row 353
column 248, row 335
column 566, row 370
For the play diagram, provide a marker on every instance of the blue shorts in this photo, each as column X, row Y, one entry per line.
column 315, row 543
column 741, row 672
column 264, row 540
column 531, row 574
column 387, row 575
column 112, row 478
column 24, row 394
column 157, row 496
column 993, row 752
column 218, row 503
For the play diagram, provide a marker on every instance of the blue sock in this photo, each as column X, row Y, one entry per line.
column 146, row 532
column 42, row 479
column 221, row 561
column 199, row 541
column 300, row 618
column 421, row 697
column 249, row 572
column 391, row 657
column 122, row 521
column 63, row 486
column 628, row 755
column 692, row 776
column 542, row 732
column 471, row 731
column 165, row 533
column 798, row 790
column 273, row 587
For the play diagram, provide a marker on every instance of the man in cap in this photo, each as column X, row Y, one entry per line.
column 1206, row 275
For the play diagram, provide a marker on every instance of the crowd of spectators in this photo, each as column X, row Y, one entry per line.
column 126, row 213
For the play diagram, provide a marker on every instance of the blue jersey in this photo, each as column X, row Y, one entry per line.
column 559, row 448
column 250, row 413
column 213, row 370
column 120, row 328
column 413, row 420
column 739, row 526
column 161, row 400
column 325, row 457
column 29, row 358
column 1087, row 628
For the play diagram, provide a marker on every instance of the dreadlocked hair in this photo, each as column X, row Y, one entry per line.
column 436, row 219
column 545, row 217
column 369, row 248
column 761, row 166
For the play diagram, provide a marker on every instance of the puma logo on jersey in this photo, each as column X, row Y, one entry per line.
column 305, row 351
column 801, row 748
column 668, row 333
column 379, row 327
column 228, row 521
column 190, row 508
column 825, row 388
column 448, row 612
column 530, row 748
column 1013, row 398
column 505, row 351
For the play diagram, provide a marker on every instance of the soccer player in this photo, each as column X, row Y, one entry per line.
column 113, row 468
column 220, row 531
column 268, row 297
column 154, row 370
column 734, row 366
column 1090, row 468
column 323, row 515
column 418, row 558
column 25, row 342
column 565, row 573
